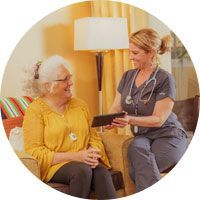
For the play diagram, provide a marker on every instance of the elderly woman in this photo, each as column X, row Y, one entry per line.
column 147, row 94
column 57, row 133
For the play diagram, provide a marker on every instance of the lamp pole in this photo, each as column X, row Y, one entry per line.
column 99, row 62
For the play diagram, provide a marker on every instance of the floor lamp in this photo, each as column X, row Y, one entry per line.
column 99, row 35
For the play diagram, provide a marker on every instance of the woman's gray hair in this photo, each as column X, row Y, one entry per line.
column 42, row 72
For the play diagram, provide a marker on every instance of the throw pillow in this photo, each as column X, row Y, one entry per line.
column 16, row 139
column 12, row 123
column 12, row 107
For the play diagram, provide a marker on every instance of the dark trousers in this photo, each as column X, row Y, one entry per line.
column 148, row 157
column 81, row 178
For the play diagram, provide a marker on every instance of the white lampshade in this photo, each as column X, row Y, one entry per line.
column 100, row 33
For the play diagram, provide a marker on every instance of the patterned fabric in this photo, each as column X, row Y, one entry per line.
column 14, row 107
column 11, row 123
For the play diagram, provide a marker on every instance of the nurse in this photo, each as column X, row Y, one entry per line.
column 147, row 94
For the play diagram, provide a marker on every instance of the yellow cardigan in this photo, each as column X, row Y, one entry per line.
column 47, row 132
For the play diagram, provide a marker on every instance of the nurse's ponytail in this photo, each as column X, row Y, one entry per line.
column 165, row 45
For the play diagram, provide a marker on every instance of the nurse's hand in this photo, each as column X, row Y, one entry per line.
column 121, row 122
column 108, row 127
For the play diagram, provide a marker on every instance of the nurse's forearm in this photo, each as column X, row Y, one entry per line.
column 116, row 106
column 161, row 112
column 147, row 121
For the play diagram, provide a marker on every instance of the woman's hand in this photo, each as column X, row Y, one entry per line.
column 96, row 156
column 89, row 156
column 121, row 122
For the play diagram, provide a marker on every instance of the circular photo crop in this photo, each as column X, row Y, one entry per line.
column 100, row 99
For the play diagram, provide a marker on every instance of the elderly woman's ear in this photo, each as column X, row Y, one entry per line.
column 47, row 87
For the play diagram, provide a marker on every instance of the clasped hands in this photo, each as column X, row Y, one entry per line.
column 90, row 156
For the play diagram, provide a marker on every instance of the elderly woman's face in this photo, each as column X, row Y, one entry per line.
column 139, row 57
column 62, row 83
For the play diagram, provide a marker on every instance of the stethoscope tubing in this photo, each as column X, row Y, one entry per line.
column 129, row 98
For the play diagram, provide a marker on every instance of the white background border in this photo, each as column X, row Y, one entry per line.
column 17, row 17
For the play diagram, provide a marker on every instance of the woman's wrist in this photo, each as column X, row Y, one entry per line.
column 77, row 156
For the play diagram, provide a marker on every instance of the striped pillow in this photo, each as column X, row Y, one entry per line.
column 14, row 107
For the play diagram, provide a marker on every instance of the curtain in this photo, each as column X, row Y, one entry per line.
column 116, row 62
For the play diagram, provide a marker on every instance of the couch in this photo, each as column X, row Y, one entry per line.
column 12, row 112
column 116, row 145
column 187, row 111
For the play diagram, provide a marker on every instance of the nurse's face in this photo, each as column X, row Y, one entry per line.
column 140, row 58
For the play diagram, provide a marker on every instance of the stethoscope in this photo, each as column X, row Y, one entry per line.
column 129, row 99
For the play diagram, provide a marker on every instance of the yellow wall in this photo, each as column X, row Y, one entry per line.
column 54, row 35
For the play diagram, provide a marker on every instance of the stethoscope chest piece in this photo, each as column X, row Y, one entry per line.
column 129, row 100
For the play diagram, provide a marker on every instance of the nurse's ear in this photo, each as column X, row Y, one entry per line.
column 152, row 53
column 152, row 56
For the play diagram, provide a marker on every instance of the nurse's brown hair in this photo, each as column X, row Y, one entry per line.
column 148, row 39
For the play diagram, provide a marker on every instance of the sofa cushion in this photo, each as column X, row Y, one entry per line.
column 14, row 107
column 187, row 111
column 30, row 162
column 11, row 123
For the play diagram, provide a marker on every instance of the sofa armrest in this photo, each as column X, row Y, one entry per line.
column 30, row 162
column 116, row 147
